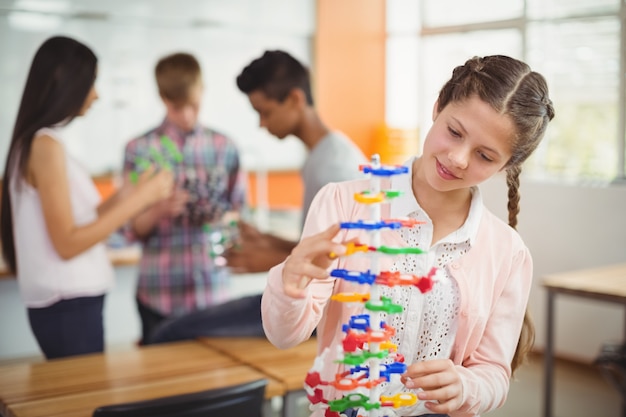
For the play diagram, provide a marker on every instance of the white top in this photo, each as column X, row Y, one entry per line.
column 335, row 158
column 44, row 278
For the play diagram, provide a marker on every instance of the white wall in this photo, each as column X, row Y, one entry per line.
column 128, row 38
column 567, row 228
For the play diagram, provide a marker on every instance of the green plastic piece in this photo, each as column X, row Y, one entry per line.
column 359, row 358
column 400, row 251
column 385, row 305
column 157, row 157
column 161, row 159
column 142, row 163
column 393, row 193
column 171, row 148
column 353, row 400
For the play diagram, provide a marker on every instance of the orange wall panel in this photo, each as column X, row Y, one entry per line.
column 284, row 188
column 348, row 75
column 349, row 67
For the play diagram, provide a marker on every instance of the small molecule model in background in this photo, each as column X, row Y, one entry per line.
column 208, row 200
column 162, row 160
column 367, row 341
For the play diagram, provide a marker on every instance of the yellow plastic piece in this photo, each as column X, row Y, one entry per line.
column 369, row 199
column 401, row 399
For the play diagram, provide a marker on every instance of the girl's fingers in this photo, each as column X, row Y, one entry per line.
column 146, row 175
column 319, row 246
column 439, row 382
column 309, row 260
column 305, row 269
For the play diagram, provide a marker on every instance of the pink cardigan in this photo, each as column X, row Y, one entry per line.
column 494, row 280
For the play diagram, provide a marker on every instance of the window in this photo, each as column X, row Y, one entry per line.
column 575, row 44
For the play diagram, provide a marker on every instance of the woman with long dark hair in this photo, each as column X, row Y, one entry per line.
column 53, row 222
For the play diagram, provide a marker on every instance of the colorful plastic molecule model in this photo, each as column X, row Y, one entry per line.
column 367, row 354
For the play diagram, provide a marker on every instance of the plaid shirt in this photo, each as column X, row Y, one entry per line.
column 176, row 272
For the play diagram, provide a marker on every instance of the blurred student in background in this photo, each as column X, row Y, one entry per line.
column 53, row 222
column 177, row 274
column 278, row 87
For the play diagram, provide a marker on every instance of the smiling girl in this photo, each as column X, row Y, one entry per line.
column 462, row 340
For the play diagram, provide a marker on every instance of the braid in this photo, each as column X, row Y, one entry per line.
column 525, row 342
column 511, row 88
column 527, row 335
column 512, row 182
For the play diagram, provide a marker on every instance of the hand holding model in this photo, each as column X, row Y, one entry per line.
column 310, row 260
column 154, row 186
column 440, row 382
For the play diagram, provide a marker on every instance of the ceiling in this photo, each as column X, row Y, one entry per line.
column 167, row 12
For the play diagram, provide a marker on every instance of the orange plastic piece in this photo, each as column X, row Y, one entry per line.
column 350, row 297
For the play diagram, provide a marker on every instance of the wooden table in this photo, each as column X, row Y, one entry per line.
column 605, row 284
column 76, row 386
column 288, row 366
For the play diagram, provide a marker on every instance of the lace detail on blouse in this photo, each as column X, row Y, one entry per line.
column 426, row 328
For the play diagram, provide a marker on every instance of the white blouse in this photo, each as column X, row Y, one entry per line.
column 426, row 328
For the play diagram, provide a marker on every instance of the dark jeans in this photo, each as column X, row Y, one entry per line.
column 236, row 318
column 69, row 327
column 150, row 320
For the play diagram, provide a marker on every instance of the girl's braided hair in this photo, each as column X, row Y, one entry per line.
column 511, row 88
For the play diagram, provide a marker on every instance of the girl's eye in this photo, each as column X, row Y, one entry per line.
column 485, row 157
column 454, row 132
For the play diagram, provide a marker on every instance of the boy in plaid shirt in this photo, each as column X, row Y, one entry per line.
column 177, row 273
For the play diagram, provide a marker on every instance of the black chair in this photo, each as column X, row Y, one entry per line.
column 612, row 364
column 243, row 400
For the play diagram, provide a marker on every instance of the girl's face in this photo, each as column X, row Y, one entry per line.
column 91, row 97
column 467, row 144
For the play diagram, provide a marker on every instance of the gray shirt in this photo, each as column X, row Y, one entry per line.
column 335, row 158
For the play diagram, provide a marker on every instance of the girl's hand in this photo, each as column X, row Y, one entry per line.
column 440, row 382
column 155, row 187
column 309, row 260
